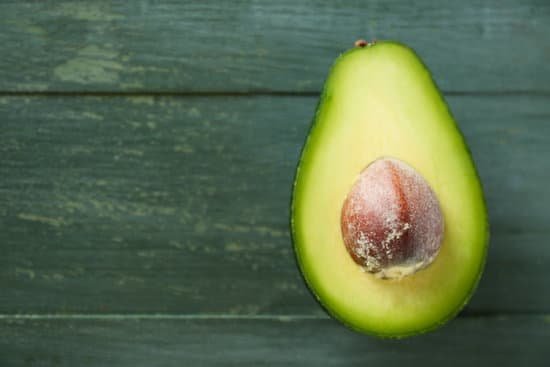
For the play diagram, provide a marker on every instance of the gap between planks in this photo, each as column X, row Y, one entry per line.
column 265, row 317
column 252, row 93
column 160, row 316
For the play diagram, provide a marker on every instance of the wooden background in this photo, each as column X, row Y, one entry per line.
column 147, row 151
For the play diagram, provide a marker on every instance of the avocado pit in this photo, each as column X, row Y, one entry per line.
column 391, row 220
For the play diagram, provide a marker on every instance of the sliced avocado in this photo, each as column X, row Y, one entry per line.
column 379, row 101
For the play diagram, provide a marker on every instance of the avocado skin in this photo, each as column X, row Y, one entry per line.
column 324, row 98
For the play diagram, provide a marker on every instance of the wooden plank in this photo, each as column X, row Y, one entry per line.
column 517, row 341
column 181, row 204
column 285, row 45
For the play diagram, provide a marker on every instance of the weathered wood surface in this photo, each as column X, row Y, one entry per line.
column 180, row 205
column 142, row 224
column 229, row 46
column 519, row 341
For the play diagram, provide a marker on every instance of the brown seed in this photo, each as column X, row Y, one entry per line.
column 391, row 220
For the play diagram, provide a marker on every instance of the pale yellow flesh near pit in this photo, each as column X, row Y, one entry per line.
column 381, row 101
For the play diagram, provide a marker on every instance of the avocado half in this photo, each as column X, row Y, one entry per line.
column 379, row 100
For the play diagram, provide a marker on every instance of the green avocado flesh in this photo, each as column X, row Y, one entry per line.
column 380, row 101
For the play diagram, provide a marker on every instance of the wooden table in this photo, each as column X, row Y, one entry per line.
column 147, row 152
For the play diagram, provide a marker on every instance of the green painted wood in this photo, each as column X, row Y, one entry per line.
column 519, row 341
column 286, row 45
column 180, row 205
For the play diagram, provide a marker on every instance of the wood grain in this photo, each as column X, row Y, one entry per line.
column 520, row 341
column 205, row 46
column 180, row 205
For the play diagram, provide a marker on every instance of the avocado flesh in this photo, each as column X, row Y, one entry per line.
column 380, row 101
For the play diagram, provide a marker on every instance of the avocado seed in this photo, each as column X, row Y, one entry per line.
column 391, row 220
